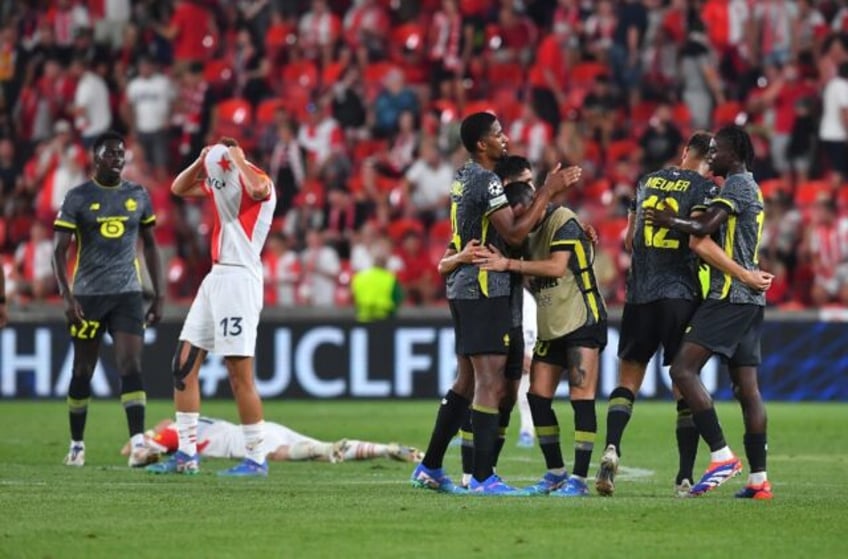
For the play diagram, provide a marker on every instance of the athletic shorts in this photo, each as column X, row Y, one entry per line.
column 515, row 356
column 224, row 317
column 482, row 326
column 555, row 352
column 121, row 312
column 645, row 326
column 730, row 330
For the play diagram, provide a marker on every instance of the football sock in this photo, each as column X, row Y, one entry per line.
column 363, row 450
column 585, row 428
column 134, row 400
column 755, row 449
column 466, row 449
column 485, row 421
column 137, row 440
column 79, row 395
column 618, row 414
column 547, row 430
column 451, row 414
column 254, row 442
column 687, row 441
column 187, row 430
column 524, row 405
column 307, row 450
column 707, row 424
column 757, row 478
column 503, row 425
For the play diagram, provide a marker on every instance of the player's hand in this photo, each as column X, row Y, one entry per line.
column 4, row 316
column 758, row 280
column 654, row 216
column 490, row 258
column 236, row 153
column 470, row 251
column 73, row 311
column 591, row 233
column 154, row 313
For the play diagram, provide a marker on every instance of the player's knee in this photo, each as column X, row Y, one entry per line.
column 183, row 364
column 85, row 370
column 129, row 365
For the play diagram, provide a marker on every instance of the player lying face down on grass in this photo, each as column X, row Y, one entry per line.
column 571, row 332
column 218, row 438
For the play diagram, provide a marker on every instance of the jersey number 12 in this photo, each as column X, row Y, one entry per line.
column 655, row 236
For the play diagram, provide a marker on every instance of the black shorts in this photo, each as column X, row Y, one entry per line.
column 122, row 312
column 482, row 325
column 645, row 326
column 555, row 352
column 515, row 356
column 730, row 330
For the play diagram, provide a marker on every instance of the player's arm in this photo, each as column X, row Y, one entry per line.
column 154, row 266
column 258, row 185
column 701, row 225
column 189, row 183
column 514, row 231
column 61, row 243
column 553, row 267
column 713, row 255
column 451, row 259
column 630, row 231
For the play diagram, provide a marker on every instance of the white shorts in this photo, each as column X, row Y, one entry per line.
column 224, row 316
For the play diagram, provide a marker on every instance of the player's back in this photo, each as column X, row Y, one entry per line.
column 241, row 224
column 662, row 265
column 476, row 193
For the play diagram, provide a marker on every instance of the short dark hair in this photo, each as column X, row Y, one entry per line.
column 473, row 128
column 107, row 136
column 519, row 192
column 227, row 141
column 699, row 142
column 740, row 143
column 511, row 166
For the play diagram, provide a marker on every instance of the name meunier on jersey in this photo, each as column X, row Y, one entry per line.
column 662, row 266
column 476, row 193
column 105, row 221
column 572, row 301
column 739, row 236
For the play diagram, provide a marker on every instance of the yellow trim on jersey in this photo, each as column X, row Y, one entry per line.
column 137, row 267
column 585, row 276
column 729, row 203
column 149, row 220
column 65, row 224
column 76, row 259
column 483, row 275
column 729, row 239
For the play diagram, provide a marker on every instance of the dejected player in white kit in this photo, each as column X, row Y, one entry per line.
column 224, row 317
column 218, row 438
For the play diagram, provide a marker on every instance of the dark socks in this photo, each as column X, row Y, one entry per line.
column 79, row 395
column 134, row 400
column 485, row 421
column 466, row 436
column 503, row 425
column 707, row 424
column 618, row 414
column 451, row 414
column 585, row 428
column 755, row 449
column 547, row 430
column 687, row 441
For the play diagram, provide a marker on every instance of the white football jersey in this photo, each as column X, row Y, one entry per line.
column 241, row 223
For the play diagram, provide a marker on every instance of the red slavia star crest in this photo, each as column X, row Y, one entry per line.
column 225, row 164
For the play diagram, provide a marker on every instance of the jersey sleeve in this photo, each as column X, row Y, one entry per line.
column 148, row 216
column 67, row 218
column 732, row 197
column 566, row 236
column 703, row 194
column 495, row 198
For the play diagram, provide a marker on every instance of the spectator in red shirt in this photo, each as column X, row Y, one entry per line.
column 188, row 29
column 548, row 76
column 418, row 277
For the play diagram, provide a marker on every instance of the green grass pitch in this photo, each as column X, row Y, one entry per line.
column 368, row 509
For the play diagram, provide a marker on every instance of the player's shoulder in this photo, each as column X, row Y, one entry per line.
column 132, row 186
column 478, row 175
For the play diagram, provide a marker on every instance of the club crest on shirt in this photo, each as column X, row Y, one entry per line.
column 94, row 207
column 131, row 205
column 495, row 187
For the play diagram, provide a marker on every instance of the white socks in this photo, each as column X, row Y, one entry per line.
column 254, row 442
column 721, row 455
column 137, row 441
column 524, row 405
column 757, row 478
column 187, row 430
column 362, row 450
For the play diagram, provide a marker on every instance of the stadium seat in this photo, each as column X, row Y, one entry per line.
column 584, row 74
column 771, row 186
column 363, row 149
column 726, row 113
column 409, row 37
column 611, row 230
column 500, row 75
column 234, row 118
column 807, row 192
column 300, row 73
column 398, row 228
column 297, row 100
column 642, row 112
column 218, row 72
column 682, row 116
column 479, row 106
column 621, row 149
column 267, row 110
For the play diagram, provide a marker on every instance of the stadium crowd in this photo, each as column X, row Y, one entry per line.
column 354, row 108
